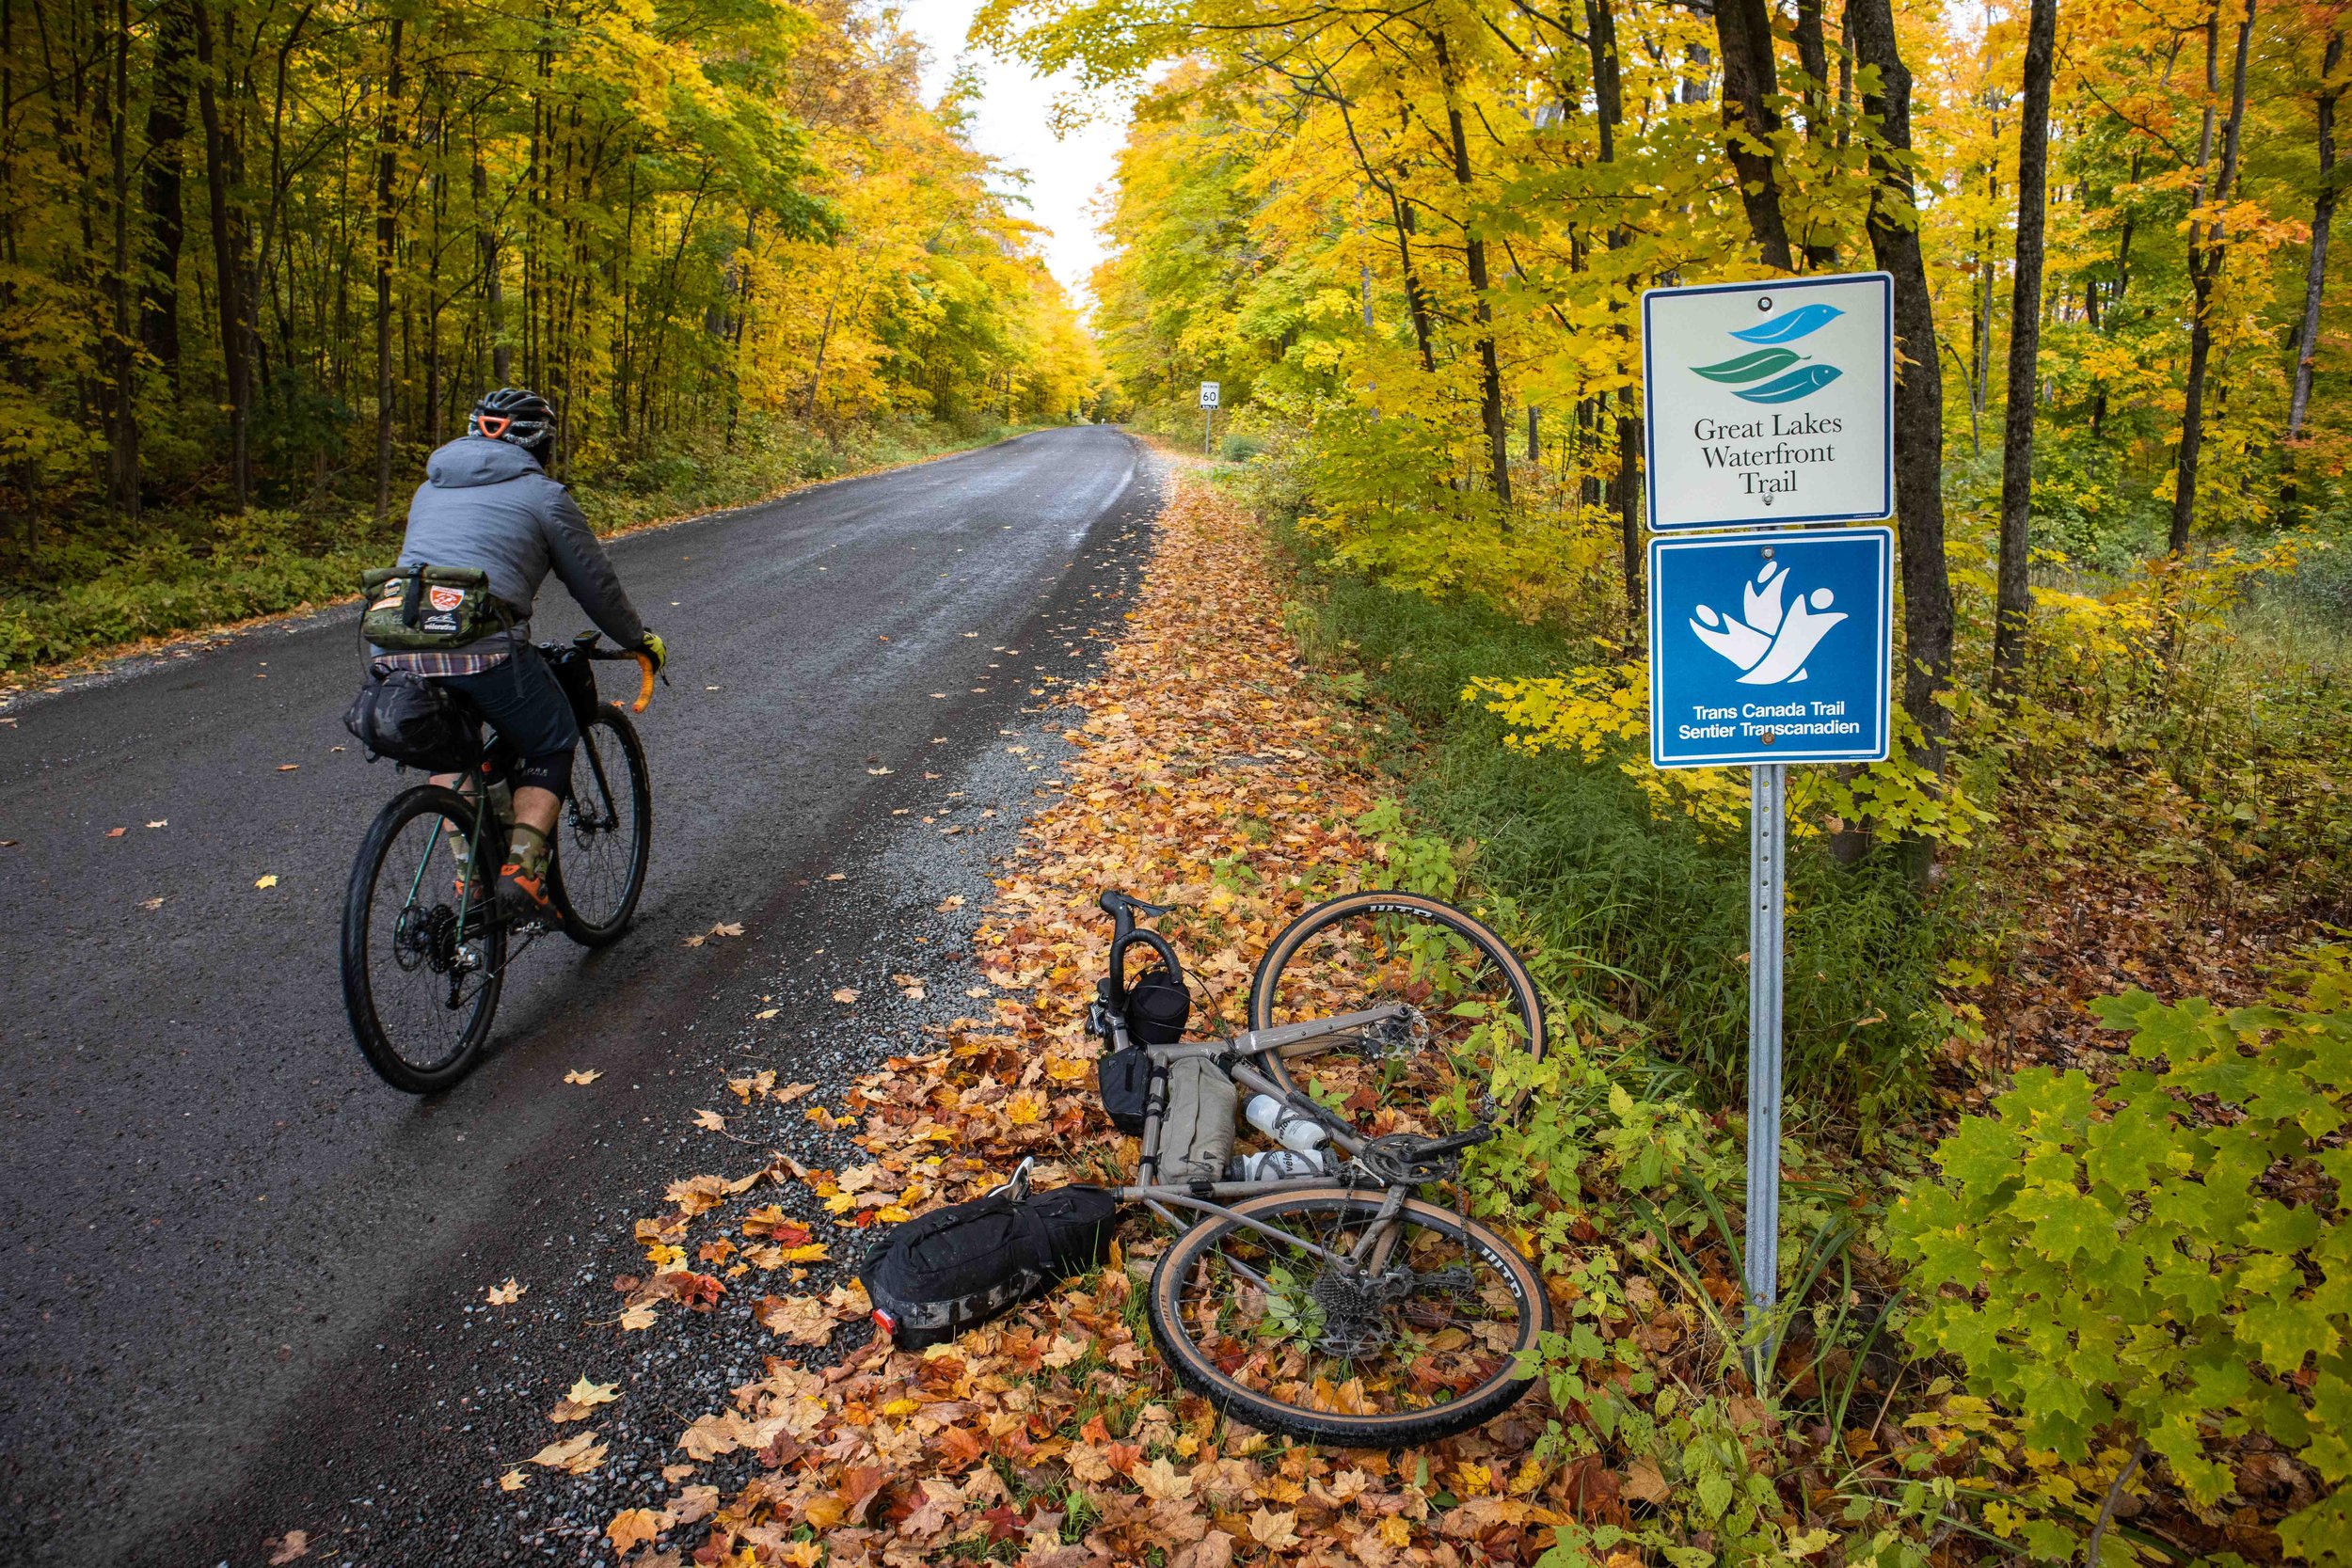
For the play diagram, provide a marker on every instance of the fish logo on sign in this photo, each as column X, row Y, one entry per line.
column 1768, row 643
column 1773, row 359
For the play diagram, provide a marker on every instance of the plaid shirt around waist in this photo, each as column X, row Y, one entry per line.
column 488, row 654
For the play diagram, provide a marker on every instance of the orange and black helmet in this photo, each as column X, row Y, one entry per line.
column 511, row 414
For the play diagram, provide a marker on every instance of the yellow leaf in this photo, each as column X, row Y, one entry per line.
column 632, row 1528
column 710, row 1121
column 846, row 995
column 270, row 880
column 589, row 1076
column 574, row 1455
column 1395, row 1531
column 661, row 1255
column 635, row 1318
column 582, row 1400
column 766, row 1013
column 511, row 1482
column 508, row 1293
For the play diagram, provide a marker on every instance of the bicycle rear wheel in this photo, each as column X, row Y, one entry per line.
column 605, row 835
column 1474, row 999
column 1275, row 1333
column 423, row 958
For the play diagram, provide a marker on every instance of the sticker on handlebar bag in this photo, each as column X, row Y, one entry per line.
column 447, row 598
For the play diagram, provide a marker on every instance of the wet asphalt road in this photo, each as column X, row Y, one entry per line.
column 243, row 1284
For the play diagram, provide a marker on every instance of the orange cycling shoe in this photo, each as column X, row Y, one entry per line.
column 521, row 894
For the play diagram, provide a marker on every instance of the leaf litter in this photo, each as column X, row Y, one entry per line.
column 1055, row 1435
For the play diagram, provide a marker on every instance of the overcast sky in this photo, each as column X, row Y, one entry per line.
column 1012, row 126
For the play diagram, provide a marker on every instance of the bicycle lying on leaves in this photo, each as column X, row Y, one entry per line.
column 424, row 955
column 1336, row 1302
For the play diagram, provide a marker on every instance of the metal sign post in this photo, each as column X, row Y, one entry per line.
column 1208, row 418
column 1768, row 837
column 1769, row 404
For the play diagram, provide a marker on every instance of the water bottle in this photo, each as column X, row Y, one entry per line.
column 1284, row 1125
column 1279, row 1164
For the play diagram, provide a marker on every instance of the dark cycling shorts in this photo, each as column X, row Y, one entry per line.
column 523, row 703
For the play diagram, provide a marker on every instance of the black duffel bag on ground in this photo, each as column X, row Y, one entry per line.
column 401, row 715
column 956, row 1267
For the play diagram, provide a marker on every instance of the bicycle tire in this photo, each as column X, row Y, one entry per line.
column 1200, row 1372
column 628, row 751
column 1268, row 1006
column 361, row 1005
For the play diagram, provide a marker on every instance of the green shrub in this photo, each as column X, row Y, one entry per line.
column 1643, row 915
column 2167, row 1260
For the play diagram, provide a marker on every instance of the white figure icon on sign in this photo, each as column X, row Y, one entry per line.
column 1768, row 643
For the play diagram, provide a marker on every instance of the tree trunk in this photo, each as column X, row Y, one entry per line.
column 1744, row 29
column 2010, row 601
column 387, row 166
column 2315, row 278
column 166, row 221
column 1813, row 53
column 1625, row 491
column 1918, row 389
column 121, row 355
column 1490, row 409
column 227, row 285
column 2205, row 271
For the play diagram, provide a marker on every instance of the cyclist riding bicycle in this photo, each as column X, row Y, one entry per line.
column 488, row 505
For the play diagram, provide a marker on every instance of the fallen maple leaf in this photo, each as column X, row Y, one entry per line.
column 575, row 1456
column 583, row 1401
column 161, row 822
column 286, row 1548
column 953, row 901
column 508, row 1293
column 589, row 1076
column 729, row 928
column 791, row 1092
column 710, row 1121
column 1272, row 1530
column 268, row 881
column 511, row 1482
column 632, row 1527
column 117, row 833
column 803, row 1319
column 846, row 995
column 1646, row 1482
column 635, row 1318
column 1161, row 1482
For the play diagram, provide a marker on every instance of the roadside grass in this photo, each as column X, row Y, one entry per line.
column 173, row 572
column 1644, row 915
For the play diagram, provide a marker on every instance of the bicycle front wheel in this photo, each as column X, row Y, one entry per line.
column 605, row 835
column 1273, row 1330
column 1473, row 1000
column 423, row 958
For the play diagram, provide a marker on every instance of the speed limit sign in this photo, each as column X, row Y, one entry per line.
column 1208, row 394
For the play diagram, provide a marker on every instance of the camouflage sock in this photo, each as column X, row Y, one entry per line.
column 527, row 851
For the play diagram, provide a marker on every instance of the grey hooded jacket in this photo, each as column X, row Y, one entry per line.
column 487, row 505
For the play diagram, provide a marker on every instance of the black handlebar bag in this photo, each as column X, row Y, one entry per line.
column 1155, row 1009
column 956, row 1267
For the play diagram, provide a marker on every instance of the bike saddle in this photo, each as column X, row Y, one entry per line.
column 1113, row 901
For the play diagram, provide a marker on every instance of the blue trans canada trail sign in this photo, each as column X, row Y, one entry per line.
column 1769, row 402
column 1771, row 647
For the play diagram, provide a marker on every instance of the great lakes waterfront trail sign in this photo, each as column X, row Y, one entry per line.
column 1771, row 647
column 1769, row 402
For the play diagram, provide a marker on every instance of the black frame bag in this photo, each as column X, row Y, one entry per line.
column 956, row 1267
